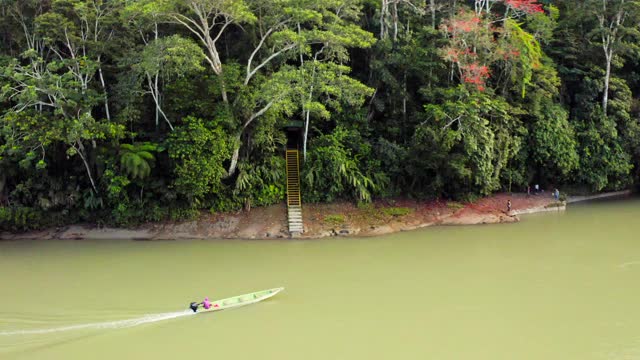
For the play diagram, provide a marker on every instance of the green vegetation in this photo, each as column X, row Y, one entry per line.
column 397, row 211
column 122, row 112
column 453, row 205
column 334, row 220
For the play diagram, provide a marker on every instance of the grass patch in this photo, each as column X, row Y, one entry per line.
column 334, row 219
column 397, row 211
column 368, row 211
column 453, row 205
column 365, row 206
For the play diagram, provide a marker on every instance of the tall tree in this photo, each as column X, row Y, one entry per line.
column 617, row 20
column 208, row 20
column 80, row 30
column 278, row 28
column 160, row 61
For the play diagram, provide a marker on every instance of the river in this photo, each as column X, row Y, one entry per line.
column 554, row 286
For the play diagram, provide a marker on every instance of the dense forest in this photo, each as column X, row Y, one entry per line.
column 126, row 111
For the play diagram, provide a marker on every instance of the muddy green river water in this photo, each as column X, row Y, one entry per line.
column 554, row 286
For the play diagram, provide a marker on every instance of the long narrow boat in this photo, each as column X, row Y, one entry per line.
column 241, row 300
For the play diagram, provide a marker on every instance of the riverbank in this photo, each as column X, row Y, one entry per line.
column 613, row 194
column 320, row 220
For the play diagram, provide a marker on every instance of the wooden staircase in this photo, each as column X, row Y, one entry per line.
column 294, row 200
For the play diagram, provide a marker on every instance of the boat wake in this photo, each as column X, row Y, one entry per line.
column 119, row 324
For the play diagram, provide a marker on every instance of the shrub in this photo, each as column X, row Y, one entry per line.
column 397, row 211
column 334, row 219
column 225, row 204
column 198, row 149
column 453, row 205
column 20, row 218
column 333, row 170
column 183, row 213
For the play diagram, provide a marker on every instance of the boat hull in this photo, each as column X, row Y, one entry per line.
column 241, row 300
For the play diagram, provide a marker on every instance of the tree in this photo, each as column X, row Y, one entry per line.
column 53, row 87
column 476, row 44
column 329, row 88
column 78, row 31
column 279, row 28
column 617, row 20
column 390, row 11
column 323, row 80
column 333, row 170
column 476, row 135
column 450, row 98
column 471, row 47
column 144, row 16
column 163, row 59
column 198, row 149
column 208, row 20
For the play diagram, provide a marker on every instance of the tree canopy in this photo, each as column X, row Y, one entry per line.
column 124, row 111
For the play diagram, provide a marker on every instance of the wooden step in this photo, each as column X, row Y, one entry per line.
column 294, row 198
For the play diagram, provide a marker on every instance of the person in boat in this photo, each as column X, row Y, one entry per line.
column 205, row 304
column 194, row 306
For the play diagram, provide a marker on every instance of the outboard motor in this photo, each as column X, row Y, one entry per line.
column 194, row 306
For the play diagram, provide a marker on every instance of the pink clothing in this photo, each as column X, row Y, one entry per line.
column 206, row 303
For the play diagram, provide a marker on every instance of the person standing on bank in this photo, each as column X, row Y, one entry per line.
column 508, row 206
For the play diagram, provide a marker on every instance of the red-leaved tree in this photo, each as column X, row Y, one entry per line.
column 527, row 6
column 471, row 46
column 477, row 40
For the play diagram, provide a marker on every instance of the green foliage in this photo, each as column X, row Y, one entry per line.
column 527, row 53
column 198, row 149
column 463, row 145
column 172, row 56
column 19, row 218
column 553, row 140
column 262, row 184
column 92, row 201
column 92, row 91
column 551, row 135
column 542, row 25
column 225, row 203
column 183, row 213
column 397, row 211
column 453, row 205
column 331, row 171
column 334, row 220
column 137, row 159
column 603, row 162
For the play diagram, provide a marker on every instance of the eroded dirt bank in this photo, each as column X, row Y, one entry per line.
column 320, row 220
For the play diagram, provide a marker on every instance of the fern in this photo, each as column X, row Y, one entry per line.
column 136, row 160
